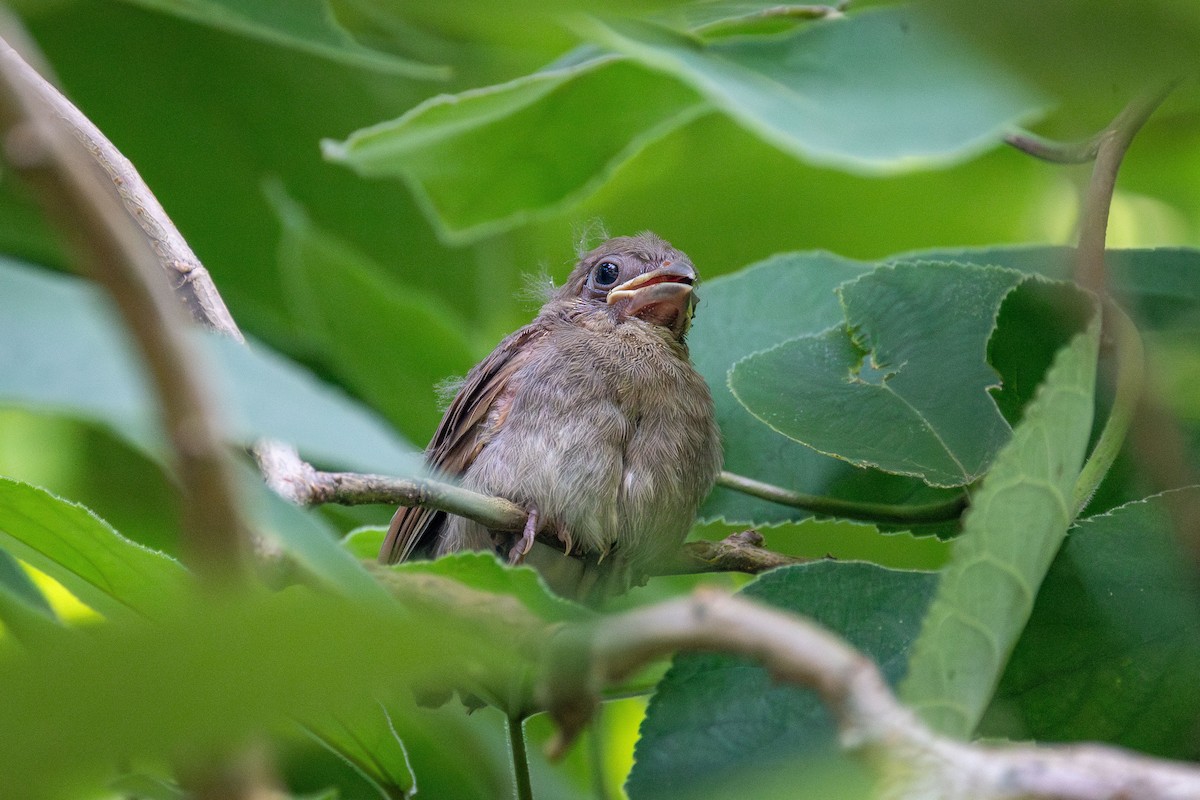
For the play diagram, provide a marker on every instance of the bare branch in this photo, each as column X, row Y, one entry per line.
column 293, row 478
column 873, row 725
column 189, row 278
column 90, row 213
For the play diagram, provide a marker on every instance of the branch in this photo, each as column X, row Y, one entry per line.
column 86, row 205
column 873, row 725
column 1107, row 148
column 945, row 511
column 298, row 481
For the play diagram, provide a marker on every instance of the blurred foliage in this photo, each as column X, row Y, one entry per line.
column 380, row 187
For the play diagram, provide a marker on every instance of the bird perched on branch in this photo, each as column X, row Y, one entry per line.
column 592, row 418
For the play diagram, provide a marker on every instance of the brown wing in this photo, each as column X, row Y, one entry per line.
column 476, row 412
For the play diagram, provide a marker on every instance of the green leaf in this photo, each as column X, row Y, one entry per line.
column 103, row 569
column 1161, row 284
column 364, row 737
column 1011, row 533
column 388, row 342
column 903, row 386
column 473, row 165
column 66, row 351
column 483, row 571
column 307, row 25
column 753, row 310
column 1112, row 649
column 228, row 667
column 880, row 91
column 715, row 715
column 309, row 540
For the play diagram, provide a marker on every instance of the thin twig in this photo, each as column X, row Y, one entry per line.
column 929, row 513
column 873, row 725
column 115, row 250
column 1053, row 151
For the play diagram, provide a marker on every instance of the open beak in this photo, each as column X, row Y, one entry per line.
column 661, row 297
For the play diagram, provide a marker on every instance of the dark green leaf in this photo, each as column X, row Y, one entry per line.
column 1112, row 649
column 1015, row 525
column 492, row 158
column 757, row 308
column 714, row 715
column 904, row 385
column 1161, row 285
column 879, row 91
column 388, row 342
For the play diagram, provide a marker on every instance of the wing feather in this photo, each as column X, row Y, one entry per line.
column 472, row 419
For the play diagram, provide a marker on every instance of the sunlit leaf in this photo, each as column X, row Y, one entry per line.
column 69, row 543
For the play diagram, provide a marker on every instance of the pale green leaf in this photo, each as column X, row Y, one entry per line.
column 1014, row 528
column 492, row 158
column 878, row 91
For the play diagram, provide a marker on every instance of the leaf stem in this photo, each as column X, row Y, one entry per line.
column 522, row 786
column 1130, row 363
column 929, row 513
column 1113, row 141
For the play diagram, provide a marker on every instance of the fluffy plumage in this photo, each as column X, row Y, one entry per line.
column 592, row 416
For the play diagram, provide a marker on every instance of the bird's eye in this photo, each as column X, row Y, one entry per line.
column 606, row 273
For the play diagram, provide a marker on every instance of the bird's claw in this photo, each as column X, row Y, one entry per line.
column 521, row 549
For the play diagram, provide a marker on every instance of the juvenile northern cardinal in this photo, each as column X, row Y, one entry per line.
column 592, row 418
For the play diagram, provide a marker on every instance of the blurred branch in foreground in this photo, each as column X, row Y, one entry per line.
column 912, row 760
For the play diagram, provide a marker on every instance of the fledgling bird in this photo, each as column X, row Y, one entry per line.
column 592, row 418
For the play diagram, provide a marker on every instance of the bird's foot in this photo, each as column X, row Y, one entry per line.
column 521, row 549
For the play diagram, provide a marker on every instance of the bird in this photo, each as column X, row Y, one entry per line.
column 592, row 418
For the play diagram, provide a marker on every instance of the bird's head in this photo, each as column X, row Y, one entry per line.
column 637, row 277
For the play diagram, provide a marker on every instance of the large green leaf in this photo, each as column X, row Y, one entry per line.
column 1112, row 649
column 715, row 715
column 67, row 352
column 1014, row 528
column 879, row 91
column 755, row 309
column 307, row 25
column 105, row 570
column 390, row 343
column 492, row 158
column 226, row 667
column 1161, row 285
column 903, row 386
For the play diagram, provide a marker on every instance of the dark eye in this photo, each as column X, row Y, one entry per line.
column 606, row 273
